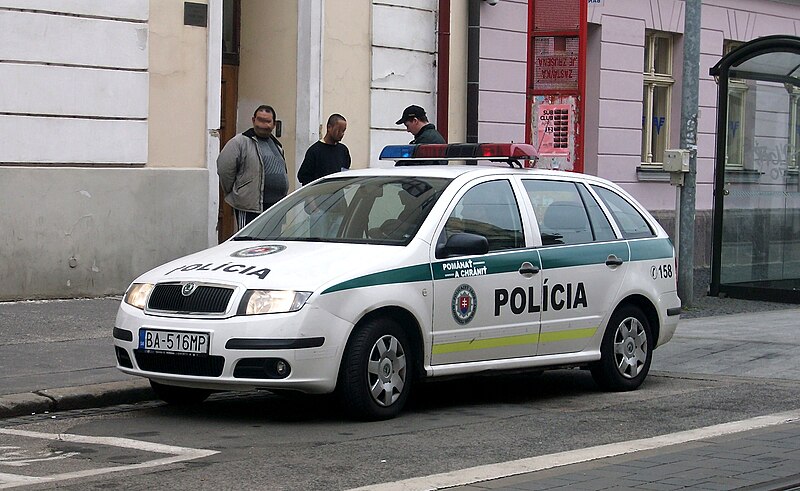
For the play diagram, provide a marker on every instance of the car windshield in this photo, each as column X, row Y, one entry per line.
column 361, row 209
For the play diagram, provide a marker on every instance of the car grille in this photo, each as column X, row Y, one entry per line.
column 205, row 299
column 203, row 366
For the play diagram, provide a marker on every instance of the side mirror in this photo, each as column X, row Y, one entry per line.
column 463, row 244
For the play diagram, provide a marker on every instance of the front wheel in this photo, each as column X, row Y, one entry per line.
column 625, row 351
column 376, row 372
column 179, row 396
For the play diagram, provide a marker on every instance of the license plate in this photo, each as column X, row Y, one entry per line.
column 173, row 341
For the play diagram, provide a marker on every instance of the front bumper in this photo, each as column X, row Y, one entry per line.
column 310, row 340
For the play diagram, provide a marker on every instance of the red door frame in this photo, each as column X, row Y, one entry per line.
column 580, row 93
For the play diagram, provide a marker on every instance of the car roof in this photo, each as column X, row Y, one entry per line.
column 453, row 171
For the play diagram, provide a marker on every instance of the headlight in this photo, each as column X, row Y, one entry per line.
column 137, row 294
column 271, row 301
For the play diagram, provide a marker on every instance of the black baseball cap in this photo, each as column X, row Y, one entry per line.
column 412, row 112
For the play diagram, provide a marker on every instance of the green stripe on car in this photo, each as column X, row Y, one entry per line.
column 509, row 261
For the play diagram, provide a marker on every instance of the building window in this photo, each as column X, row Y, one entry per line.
column 658, row 82
column 737, row 113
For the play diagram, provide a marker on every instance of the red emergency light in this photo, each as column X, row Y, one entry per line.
column 510, row 153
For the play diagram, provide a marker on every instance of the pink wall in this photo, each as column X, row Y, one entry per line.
column 614, row 88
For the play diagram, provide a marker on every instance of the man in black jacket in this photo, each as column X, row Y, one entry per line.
column 416, row 122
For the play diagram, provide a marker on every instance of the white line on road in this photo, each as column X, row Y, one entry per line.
column 176, row 454
column 515, row 467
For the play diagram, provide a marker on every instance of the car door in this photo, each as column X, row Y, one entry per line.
column 583, row 264
column 485, row 305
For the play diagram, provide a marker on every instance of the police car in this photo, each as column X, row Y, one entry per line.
column 366, row 281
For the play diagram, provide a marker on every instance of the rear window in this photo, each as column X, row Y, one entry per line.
column 630, row 221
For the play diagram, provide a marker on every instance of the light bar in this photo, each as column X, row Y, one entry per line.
column 395, row 152
column 497, row 152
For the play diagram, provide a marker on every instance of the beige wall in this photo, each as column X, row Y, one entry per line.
column 177, row 106
column 346, row 73
column 268, row 68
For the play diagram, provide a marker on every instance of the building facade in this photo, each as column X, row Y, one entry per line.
column 113, row 112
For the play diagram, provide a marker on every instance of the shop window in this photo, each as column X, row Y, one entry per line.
column 657, row 95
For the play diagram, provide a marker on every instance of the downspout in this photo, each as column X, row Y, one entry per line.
column 473, row 62
column 443, row 69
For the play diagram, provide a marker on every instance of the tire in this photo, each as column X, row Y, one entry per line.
column 376, row 372
column 179, row 396
column 625, row 352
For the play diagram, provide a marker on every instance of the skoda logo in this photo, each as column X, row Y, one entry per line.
column 188, row 289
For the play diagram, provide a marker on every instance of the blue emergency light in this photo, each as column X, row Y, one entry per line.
column 510, row 153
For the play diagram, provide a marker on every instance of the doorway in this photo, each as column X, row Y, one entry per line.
column 231, row 27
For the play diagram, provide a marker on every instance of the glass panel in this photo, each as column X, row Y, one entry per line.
column 647, row 114
column 629, row 220
column 760, row 245
column 489, row 209
column 660, row 124
column 230, row 44
column 373, row 210
column 559, row 211
column 736, row 124
column 662, row 55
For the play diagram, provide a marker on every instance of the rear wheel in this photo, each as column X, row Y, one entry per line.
column 179, row 396
column 376, row 372
column 626, row 351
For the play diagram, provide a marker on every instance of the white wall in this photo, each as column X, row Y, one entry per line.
column 69, row 78
column 403, row 69
column 89, row 202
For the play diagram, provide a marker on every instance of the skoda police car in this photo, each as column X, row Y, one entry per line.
column 366, row 281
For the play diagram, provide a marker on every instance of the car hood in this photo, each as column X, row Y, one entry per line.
column 301, row 266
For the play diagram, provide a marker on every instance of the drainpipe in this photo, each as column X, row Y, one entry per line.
column 473, row 60
column 443, row 69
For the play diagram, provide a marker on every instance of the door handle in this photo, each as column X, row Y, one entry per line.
column 613, row 260
column 527, row 269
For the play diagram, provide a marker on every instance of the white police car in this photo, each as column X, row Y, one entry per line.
column 365, row 281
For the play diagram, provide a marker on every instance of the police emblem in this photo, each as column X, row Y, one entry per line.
column 464, row 304
column 258, row 251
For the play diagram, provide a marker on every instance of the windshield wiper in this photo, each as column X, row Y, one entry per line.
column 247, row 237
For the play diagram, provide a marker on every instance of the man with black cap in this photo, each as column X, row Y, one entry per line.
column 417, row 124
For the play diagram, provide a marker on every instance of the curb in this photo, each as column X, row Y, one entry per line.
column 79, row 397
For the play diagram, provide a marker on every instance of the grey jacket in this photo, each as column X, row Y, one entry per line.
column 241, row 172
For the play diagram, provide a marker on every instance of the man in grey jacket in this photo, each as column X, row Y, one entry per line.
column 252, row 168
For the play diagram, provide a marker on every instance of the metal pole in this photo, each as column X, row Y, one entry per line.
column 689, row 109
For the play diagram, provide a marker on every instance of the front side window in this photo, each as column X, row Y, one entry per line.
column 567, row 213
column 657, row 95
column 384, row 210
column 488, row 209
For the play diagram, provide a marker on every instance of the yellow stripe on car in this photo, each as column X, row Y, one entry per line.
column 477, row 344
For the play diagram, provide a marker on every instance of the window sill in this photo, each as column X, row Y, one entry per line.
column 749, row 176
column 652, row 174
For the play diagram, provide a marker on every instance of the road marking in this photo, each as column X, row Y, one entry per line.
column 175, row 454
column 473, row 475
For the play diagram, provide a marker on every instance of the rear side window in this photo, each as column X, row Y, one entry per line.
column 630, row 221
column 561, row 211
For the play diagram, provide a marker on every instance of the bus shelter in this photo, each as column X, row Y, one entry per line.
column 756, row 221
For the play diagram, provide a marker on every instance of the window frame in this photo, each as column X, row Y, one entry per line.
column 651, row 80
